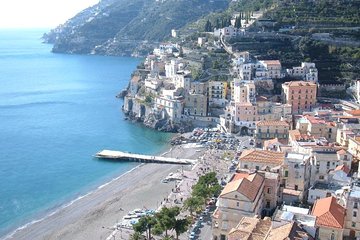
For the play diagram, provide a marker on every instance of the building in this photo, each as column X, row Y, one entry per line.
column 307, row 71
column 241, row 197
column 300, row 94
column 217, row 93
column 266, row 130
column 330, row 218
column 170, row 107
column 352, row 219
column 354, row 146
column 265, row 229
column 244, row 92
column 254, row 159
column 268, row 69
column 317, row 127
column 196, row 104
column 295, row 177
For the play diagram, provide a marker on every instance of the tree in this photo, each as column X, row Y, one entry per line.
column 193, row 204
column 145, row 224
column 208, row 26
column 181, row 226
column 238, row 22
column 166, row 219
column 136, row 236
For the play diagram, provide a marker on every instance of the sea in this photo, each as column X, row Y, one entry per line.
column 56, row 112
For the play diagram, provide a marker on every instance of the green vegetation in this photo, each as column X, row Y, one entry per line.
column 163, row 221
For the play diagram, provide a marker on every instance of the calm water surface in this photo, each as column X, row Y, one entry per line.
column 56, row 112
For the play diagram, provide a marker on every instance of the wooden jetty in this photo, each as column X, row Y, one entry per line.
column 109, row 154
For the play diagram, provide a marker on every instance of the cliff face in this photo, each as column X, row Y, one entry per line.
column 116, row 27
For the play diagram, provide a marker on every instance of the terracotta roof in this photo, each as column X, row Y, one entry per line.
column 262, row 156
column 248, row 186
column 271, row 62
column 354, row 112
column 343, row 168
column 238, row 176
column 271, row 141
column 291, row 192
column 341, row 152
column 250, row 228
column 299, row 83
column 272, row 123
column 288, row 231
column 296, row 135
column 328, row 213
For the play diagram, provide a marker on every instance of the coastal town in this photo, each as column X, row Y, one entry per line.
column 285, row 154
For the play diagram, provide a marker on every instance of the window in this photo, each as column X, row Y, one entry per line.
column 354, row 213
column 353, row 224
column 257, row 168
column 355, row 205
column 321, row 177
column 245, row 166
column 269, row 190
column 286, row 173
column 267, row 204
column 296, row 187
column 237, row 204
column 236, row 196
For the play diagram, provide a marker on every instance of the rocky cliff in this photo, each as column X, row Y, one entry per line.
column 117, row 27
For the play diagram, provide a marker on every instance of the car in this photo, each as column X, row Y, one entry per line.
column 201, row 218
column 192, row 235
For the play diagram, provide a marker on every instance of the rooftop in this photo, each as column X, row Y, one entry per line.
column 329, row 213
column 249, row 186
column 299, row 84
column 262, row 156
column 272, row 123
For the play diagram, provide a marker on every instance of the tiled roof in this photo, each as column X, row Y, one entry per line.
column 287, row 231
column 343, row 168
column 271, row 62
column 291, row 192
column 299, row 83
column 251, row 228
column 272, row 123
column 341, row 152
column 354, row 112
column 238, row 176
column 262, row 156
column 328, row 213
column 248, row 186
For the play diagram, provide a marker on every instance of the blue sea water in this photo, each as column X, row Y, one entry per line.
column 56, row 112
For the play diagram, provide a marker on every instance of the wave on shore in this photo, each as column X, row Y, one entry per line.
column 10, row 235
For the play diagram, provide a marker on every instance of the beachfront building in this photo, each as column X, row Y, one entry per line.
column 217, row 93
column 330, row 218
column 242, row 196
column 254, row 159
column 266, row 130
column 196, row 104
column 295, row 177
column 300, row 94
column 169, row 106
column 307, row 72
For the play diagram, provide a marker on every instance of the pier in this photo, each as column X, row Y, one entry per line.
column 109, row 154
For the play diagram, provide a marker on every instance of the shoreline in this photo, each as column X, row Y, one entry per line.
column 75, row 219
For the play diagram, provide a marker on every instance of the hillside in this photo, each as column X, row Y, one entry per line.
column 116, row 27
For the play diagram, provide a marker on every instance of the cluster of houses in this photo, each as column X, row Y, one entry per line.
column 300, row 181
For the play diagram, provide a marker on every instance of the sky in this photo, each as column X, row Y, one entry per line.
column 39, row 13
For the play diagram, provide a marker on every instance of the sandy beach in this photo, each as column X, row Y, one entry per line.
column 92, row 216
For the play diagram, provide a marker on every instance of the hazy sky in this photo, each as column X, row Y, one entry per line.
column 39, row 13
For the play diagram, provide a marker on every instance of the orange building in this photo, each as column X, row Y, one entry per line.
column 300, row 94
